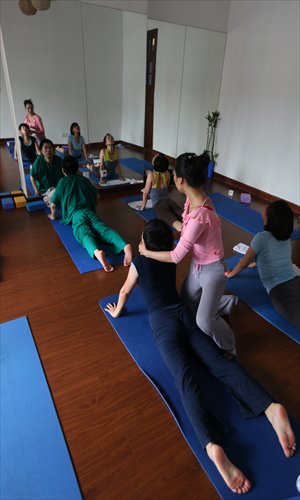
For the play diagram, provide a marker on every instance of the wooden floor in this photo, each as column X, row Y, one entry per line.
column 122, row 439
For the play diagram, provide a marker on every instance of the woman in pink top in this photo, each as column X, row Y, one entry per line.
column 34, row 122
column 203, row 288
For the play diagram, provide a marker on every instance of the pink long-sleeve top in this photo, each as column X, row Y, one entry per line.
column 37, row 123
column 201, row 233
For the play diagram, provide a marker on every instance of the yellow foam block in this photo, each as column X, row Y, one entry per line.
column 20, row 201
column 16, row 192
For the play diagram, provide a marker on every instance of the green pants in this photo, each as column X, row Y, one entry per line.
column 89, row 231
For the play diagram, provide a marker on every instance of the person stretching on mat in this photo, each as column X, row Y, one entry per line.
column 29, row 146
column 77, row 198
column 46, row 170
column 202, row 290
column 175, row 333
column 272, row 251
column 109, row 167
column 157, row 185
column 76, row 144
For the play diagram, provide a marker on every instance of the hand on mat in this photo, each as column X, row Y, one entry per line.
column 111, row 309
column 252, row 264
column 52, row 216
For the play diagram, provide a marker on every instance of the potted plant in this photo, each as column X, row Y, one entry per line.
column 212, row 122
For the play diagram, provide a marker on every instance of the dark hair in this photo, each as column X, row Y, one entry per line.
column 24, row 125
column 161, row 163
column 280, row 220
column 46, row 141
column 73, row 125
column 70, row 165
column 104, row 138
column 192, row 168
column 158, row 236
column 28, row 101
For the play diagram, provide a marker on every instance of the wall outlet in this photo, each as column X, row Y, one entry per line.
column 64, row 134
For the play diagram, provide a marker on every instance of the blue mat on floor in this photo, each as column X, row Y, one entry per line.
column 251, row 444
column 146, row 214
column 240, row 215
column 136, row 164
column 78, row 254
column 248, row 287
column 11, row 145
column 35, row 463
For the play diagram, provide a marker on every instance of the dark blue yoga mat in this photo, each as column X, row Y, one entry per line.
column 240, row 215
column 35, row 463
column 78, row 254
column 136, row 164
column 251, row 444
column 146, row 214
column 248, row 287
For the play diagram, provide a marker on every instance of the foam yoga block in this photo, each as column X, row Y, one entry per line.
column 20, row 201
column 16, row 192
column 33, row 206
column 7, row 203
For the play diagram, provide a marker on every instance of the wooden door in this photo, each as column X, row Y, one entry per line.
column 150, row 87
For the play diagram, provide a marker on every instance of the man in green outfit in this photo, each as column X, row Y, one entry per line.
column 46, row 171
column 77, row 198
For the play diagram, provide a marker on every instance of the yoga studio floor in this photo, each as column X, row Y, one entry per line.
column 122, row 439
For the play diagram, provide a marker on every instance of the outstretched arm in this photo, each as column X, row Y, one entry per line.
column 114, row 309
column 151, row 254
column 146, row 191
column 243, row 263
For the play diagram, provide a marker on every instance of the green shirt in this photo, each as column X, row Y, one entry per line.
column 46, row 175
column 74, row 192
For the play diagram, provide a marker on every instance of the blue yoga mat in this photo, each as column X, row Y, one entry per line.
column 248, row 287
column 240, row 215
column 136, row 164
column 251, row 444
column 35, row 463
column 78, row 254
column 146, row 214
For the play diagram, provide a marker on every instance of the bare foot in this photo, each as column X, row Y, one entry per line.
column 232, row 476
column 278, row 417
column 101, row 257
column 128, row 255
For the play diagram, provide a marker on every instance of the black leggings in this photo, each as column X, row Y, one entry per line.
column 286, row 300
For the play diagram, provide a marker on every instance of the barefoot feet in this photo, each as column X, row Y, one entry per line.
column 128, row 255
column 278, row 417
column 232, row 476
column 101, row 257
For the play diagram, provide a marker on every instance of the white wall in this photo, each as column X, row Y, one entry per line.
column 139, row 6
column 207, row 14
column 169, row 64
column 188, row 77
column 202, row 72
column 103, row 39
column 134, row 70
column 258, row 137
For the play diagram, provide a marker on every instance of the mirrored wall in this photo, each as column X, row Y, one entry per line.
column 86, row 63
